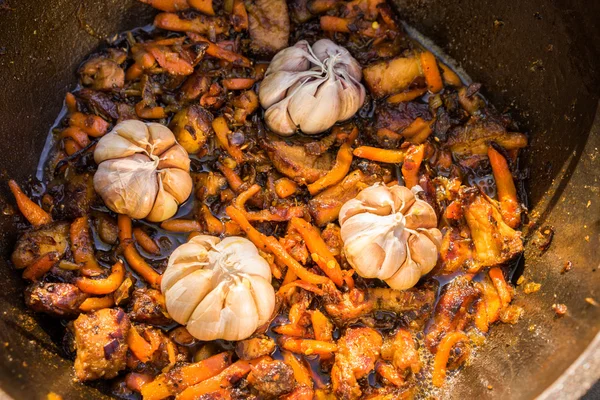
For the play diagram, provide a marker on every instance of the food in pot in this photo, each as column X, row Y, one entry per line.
column 191, row 244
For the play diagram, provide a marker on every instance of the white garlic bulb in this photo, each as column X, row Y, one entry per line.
column 218, row 289
column 311, row 88
column 390, row 234
column 142, row 171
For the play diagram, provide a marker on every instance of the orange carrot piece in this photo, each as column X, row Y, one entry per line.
column 255, row 236
column 185, row 377
column 507, row 192
column 103, row 286
column 181, row 225
column 306, row 286
column 172, row 62
column 412, row 164
column 76, row 134
column 93, row 125
column 388, row 372
column 285, row 187
column 96, row 303
column 145, row 241
column 213, row 225
column 71, row 147
column 301, row 393
column 290, row 276
column 334, row 24
column 168, row 5
column 380, row 155
column 204, row 6
column 290, row 330
column 238, row 83
column 307, row 346
column 134, row 259
column 225, row 379
column 501, row 286
column 481, row 317
column 216, row 51
column 431, row 72
column 82, row 248
column 443, row 354
column 31, row 211
column 239, row 16
column 71, row 103
column 414, row 128
column 233, row 179
column 340, row 169
column 145, row 112
column 450, row 77
column 321, row 6
column 301, row 374
column 40, row 266
column 139, row 346
column 320, row 253
column 221, row 131
column 322, row 326
column 135, row 380
column 406, row 96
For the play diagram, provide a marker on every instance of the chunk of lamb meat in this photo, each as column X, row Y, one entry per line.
column 104, row 72
column 402, row 351
column 34, row 244
column 391, row 76
column 358, row 350
column 59, row 300
column 475, row 136
column 269, row 25
column 272, row 378
column 148, row 306
column 101, row 341
column 255, row 347
column 291, row 158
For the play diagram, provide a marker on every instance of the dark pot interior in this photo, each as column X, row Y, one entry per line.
column 536, row 59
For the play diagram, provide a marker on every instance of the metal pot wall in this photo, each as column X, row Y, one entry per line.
column 536, row 59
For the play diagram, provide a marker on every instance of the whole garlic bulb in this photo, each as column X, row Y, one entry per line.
column 142, row 171
column 218, row 289
column 311, row 88
column 390, row 234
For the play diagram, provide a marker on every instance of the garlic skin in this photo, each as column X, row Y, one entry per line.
column 310, row 88
column 219, row 289
column 142, row 171
column 391, row 235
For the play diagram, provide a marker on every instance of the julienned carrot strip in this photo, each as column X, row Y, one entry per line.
column 501, row 286
column 431, row 72
column 406, row 96
column 290, row 330
column 139, row 346
column 181, row 225
column 450, row 77
column 443, row 354
column 71, row 147
column 145, row 241
column 213, row 225
column 380, row 155
column 412, row 164
column 204, row 6
column 272, row 245
column 306, row 286
column 103, row 286
column 40, row 266
column 216, row 51
column 225, row 379
column 81, row 246
column 168, row 5
column 301, row 374
column 507, row 192
column 481, row 318
column 415, row 128
column 285, row 187
column 321, row 6
column 239, row 16
column 334, row 24
column 134, row 259
column 96, row 303
column 388, row 372
column 31, row 211
column 320, row 253
column 340, row 169
column 77, row 134
column 185, row 377
column 93, row 125
column 221, row 130
column 143, row 111
column 238, row 83
column 290, row 276
column 233, row 179
column 322, row 326
column 71, row 103
column 135, row 380
column 307, row 346
column 270, row 258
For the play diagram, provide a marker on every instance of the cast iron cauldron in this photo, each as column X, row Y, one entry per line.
column 537, row 59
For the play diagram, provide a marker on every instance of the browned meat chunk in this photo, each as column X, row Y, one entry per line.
column 34, row 244
column 401, row 350
column 325, row 207
column 269, row 25
column 272, row 378
column 291, row 158
column 104, row 72
column 451, row 311
column 254, row 347
column 357, row 352
column 60, row 300
column 148, row 306
column 333, row 239
column 391, row 76
column 101, row 343
column 397, row 117
column 420, row 300
column 456, row 251
column 79, row 195
column 475, row 137
column 166, row 353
